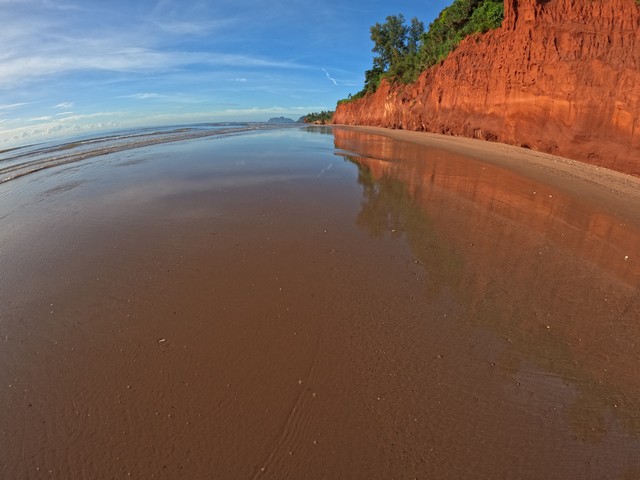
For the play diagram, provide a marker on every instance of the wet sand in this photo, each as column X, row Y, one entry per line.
column 324, row 304
column 614, row 191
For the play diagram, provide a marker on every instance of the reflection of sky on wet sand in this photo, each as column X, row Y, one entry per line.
column 554, row 279
column 397, row 313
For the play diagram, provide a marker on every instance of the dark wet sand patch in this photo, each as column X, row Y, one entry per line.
column 261, row 307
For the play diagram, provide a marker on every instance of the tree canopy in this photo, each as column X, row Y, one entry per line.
column 404, row 50
column 397, row 46
column 317, row 117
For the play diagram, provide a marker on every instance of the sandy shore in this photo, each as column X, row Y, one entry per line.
column 616, row 192
column 319, row 304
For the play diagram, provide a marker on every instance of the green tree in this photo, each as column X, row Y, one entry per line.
column 404, row 51
column 414, row 35
column 397, row 46
column 372, row 79
column 389, row 42
column 317, row 117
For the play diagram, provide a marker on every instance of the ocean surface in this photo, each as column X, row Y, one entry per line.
column 260, row 301
column 18, row 161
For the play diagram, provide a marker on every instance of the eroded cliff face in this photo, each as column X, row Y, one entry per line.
column 559, row 76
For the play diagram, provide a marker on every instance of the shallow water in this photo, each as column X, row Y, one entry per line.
column 24, row 160
column 313, row 304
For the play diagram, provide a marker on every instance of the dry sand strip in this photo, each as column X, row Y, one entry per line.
column 616, row 192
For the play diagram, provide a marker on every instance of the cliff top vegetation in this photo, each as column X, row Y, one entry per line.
column 317, row 117
column 406, row 50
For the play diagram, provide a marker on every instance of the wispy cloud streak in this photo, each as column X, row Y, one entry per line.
column 12, row 106
column 329, row 77
column 38, row 46
column 143, row 96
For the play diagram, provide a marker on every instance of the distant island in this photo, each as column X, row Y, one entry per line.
column 281, row 120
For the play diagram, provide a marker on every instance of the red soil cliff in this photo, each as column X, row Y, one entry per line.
column 559, row 76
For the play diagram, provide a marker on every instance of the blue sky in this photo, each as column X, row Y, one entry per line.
column 71, row 66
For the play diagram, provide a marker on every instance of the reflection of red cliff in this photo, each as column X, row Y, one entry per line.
column 560, row 76
column 532, row 257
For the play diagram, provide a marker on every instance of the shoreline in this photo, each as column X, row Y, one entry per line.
column 616, row 192
column 75, row 150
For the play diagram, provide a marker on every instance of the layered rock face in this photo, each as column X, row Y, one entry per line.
column 559, row 76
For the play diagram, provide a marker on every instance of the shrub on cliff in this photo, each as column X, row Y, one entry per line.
column 461, row 19
column 404, row 51
column 317, row 117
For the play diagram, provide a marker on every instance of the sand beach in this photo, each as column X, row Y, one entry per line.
column 325, row 302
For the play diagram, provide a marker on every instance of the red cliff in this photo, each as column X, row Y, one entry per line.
column 559, row 76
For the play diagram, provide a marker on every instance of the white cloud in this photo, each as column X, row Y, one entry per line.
column 247, row 61
column 47, row 127
column 254, row 112
column 11, row 106
column 192, row 17
column 193, row 28
column 57, row 5
column 103, row 57
column 85, row 116
column 64, row 105
column 40, row 41
column 143, row 96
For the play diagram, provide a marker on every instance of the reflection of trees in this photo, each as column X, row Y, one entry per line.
column 319, row 129
column 391, row 205
column 388, row 207
column 386, row 204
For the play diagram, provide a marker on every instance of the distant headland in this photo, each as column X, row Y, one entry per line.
column 281, row 120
